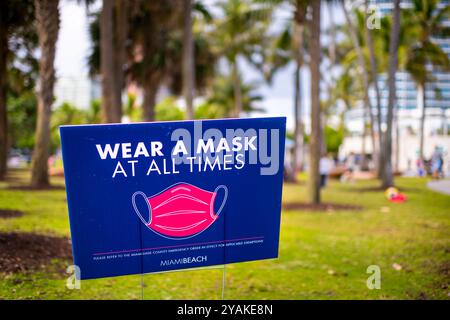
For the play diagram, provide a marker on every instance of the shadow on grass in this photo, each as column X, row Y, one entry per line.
column 381, row 189
column 321, row 207
column 8, row 214
column 19, row 179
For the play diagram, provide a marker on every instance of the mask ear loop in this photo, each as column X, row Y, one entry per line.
column 133, row 199
column 211, row 206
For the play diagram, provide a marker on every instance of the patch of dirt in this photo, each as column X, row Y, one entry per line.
column 22, row 252
column 8, row 214
column 328, row 207
column 444, row 270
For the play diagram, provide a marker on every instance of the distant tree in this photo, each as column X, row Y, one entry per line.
column 16, row 31
column 165, row 110
column 94, row 112
column 65, row 114
column 388, row 176
column 190, row 63
column 333, row 139
column 374, row 73
column 47, row 18
column 239, row 33
column 209, row 111
column 168, row 110
column 188, row 58
column 222, row 95
column 358, row 44
column 155, row 57
column 153, row 51
column 289, row 46
column 22, row 110
column 425, row 53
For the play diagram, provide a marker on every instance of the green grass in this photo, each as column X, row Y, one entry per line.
column 323, row 255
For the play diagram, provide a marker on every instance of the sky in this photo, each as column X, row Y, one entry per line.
column 74, row 44
column 73, row 41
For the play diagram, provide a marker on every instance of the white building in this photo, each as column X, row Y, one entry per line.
column 77, row 90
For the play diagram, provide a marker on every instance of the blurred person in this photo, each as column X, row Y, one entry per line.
column 350, row 166
column 325, row 166
column 409, row 170
column 420, row 167
column 437, row 163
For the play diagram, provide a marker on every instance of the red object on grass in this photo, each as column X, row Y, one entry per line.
column 399, row 198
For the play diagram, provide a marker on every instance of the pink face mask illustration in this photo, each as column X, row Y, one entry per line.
column 182, row 210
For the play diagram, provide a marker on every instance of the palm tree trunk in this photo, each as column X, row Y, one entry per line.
column 47, row 17
column 300, row 14
column 107, row 67
column 119, row 55
column 422, row 100
column 298, row 131
column 363, row 143
column 388, row 177
column 3, row 112
column 148, row 107
column 397, row 143
column 236, row 88
column 188, row 59
column 315, row 141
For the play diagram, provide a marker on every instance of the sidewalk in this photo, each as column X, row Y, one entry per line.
column 442, row 186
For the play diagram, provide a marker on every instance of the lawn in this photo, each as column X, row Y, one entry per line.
column 323, row 255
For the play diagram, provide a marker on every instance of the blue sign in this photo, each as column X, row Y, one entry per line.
column 151, row 197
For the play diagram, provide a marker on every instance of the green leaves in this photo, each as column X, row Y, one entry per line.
column 424, row 21
column 222, row 95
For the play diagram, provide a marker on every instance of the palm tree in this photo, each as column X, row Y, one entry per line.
column 188, row 59
column 121, row 29
column 348, row 88
column 374, row 74
column 378, row 42
column 221, row 96
column 298, row 47
column 155, row 49
column 47, row 18
column 388, row 177
column 364, row 76
column 315, row 140
column 239, row 32
column 15, row 17
column 109, row 29
column 425, row 53
column 289, row 46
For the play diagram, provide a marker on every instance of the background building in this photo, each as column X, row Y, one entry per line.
column 407, row 122
column 78, row 90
